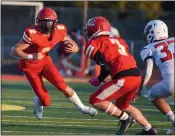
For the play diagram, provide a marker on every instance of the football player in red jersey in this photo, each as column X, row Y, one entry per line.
column 35, row 63
column 112, row 54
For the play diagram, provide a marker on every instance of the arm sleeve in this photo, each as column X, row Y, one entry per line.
column 105, row 67
column 90, row 51
column 148, row 72
column 146, row 52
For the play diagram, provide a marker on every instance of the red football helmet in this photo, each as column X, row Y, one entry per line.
column 46, row 20
column 97, row 26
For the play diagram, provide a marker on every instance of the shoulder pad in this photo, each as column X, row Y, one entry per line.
column 27, row 35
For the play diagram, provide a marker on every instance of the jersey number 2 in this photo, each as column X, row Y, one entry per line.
column 165, row 53
column 121, row 48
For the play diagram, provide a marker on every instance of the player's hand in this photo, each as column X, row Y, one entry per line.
column 38, row 56
column 71, row 47
column 108, row 78
column 137, row 96
column 94, row 81
column 45, row 50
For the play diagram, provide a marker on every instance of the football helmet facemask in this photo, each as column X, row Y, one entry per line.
column 97, row 26
column 46, row 20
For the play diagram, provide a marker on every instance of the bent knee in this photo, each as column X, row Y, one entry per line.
column 122, row 106
column 46, row 101
column 153, row 94
column 93, row 100
column 62, row 86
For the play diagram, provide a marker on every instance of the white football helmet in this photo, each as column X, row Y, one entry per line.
column 155, row 30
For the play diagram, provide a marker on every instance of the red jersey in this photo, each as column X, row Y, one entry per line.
column 115, row 52
column 40, row 42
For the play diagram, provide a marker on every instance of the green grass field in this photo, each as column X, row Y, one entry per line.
column 61, row 118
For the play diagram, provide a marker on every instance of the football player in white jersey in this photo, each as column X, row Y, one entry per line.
column 160, row 50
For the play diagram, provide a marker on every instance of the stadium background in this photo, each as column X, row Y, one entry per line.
column 128, row 17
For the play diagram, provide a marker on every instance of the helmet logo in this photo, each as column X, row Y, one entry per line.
column 147, row 29
column 91, row 22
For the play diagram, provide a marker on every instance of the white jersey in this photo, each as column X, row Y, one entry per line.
column 163, row 54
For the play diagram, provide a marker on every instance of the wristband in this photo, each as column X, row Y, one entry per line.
column 29, row 56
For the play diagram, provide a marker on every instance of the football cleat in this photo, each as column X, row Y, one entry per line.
column 151, row 131
column 172, row 130
column 38, row 109
column 88, row 110
column 124, row 125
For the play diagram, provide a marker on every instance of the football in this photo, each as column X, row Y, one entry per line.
column 62, row 46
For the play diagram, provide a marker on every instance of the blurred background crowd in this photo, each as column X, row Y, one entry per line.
column 128, row 20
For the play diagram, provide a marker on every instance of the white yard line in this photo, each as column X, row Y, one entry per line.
column 44, row 132
column 102, row 127
column 70, row 122
column 77, row 112
column 105, row 120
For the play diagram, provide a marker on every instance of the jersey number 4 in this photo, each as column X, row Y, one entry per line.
column 165, row 52
column 121, row 48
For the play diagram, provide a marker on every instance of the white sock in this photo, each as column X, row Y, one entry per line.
column 170, row 116
column 76, row 100
column 148, row 127
column 124, row 116
column 37, row 100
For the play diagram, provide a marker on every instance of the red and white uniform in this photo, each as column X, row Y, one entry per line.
column 34, row 70
column 163, row 54
column 39, row 43
column 116, row 54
